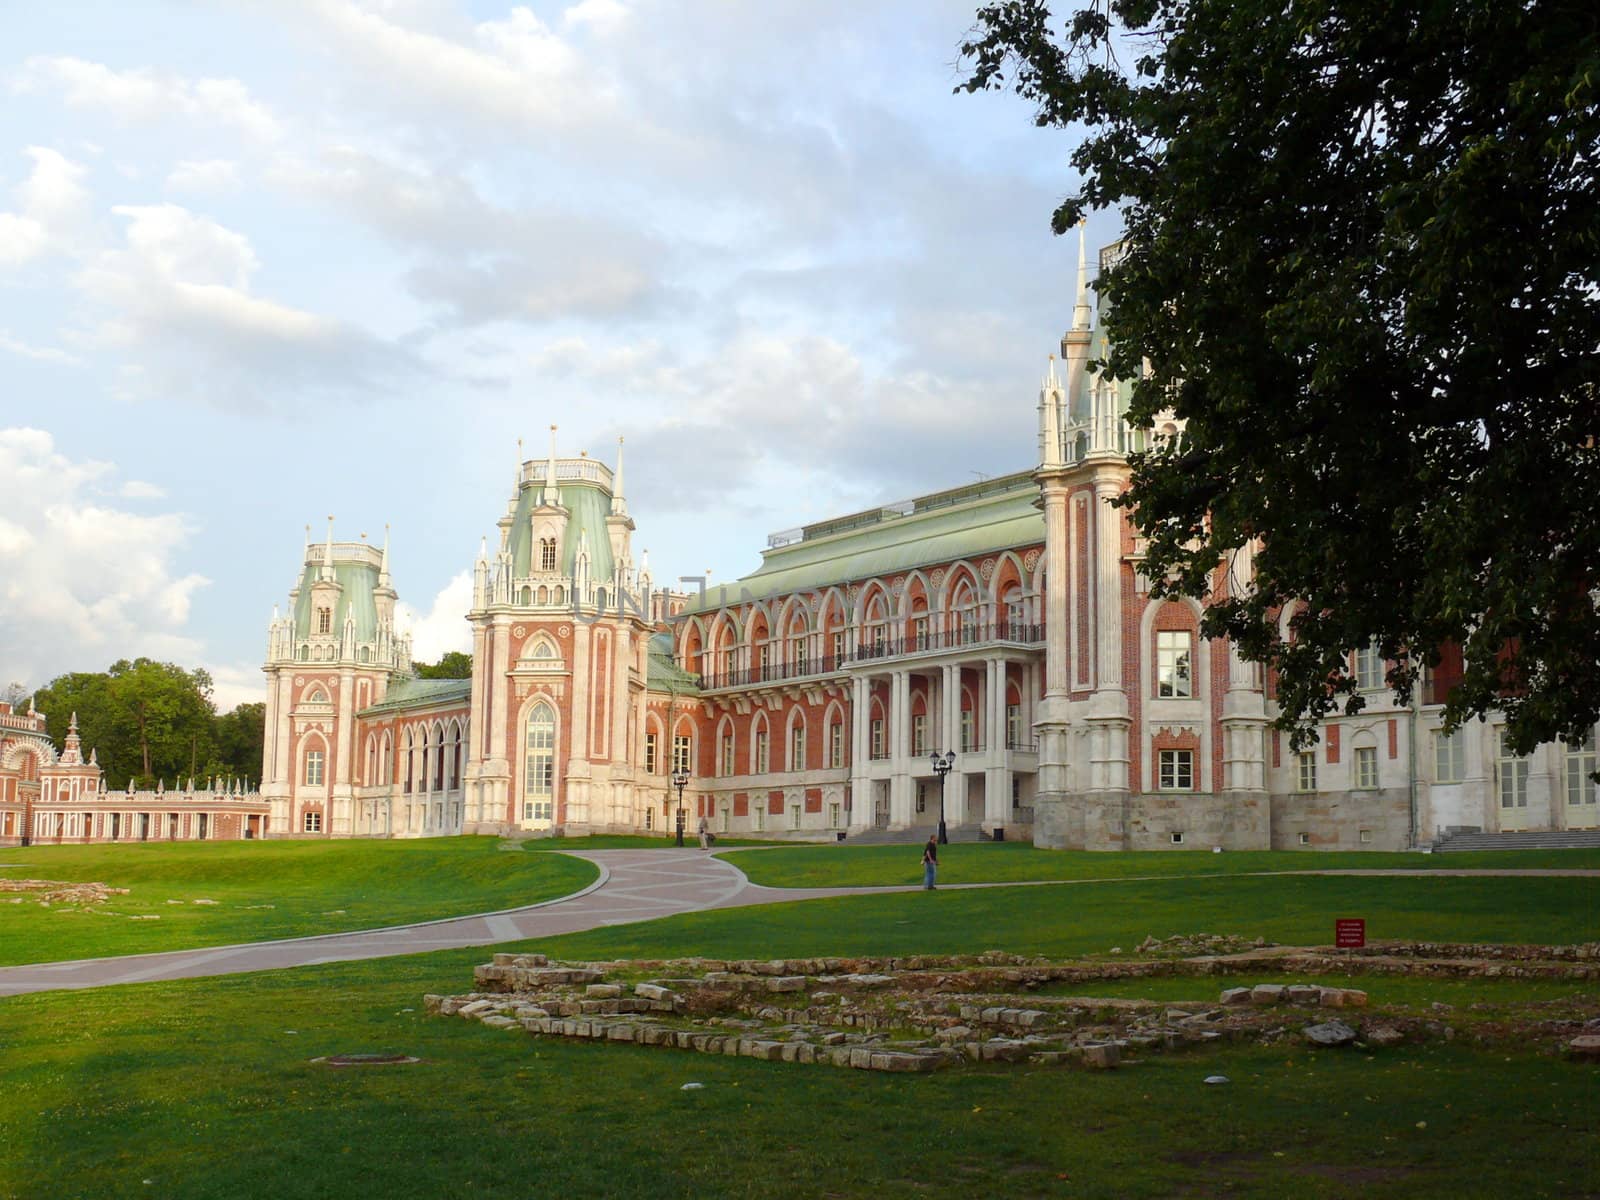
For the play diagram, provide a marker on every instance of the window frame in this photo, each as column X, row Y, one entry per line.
column 1171, row 768
column 1364, row 764
column 1175, row 663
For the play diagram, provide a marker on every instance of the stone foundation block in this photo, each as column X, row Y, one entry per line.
column 1267, row 993
column 1102, row 1057
column 1238, row 995
column 1301, row 994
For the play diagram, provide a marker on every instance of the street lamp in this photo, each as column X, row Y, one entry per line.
column 941, row 767
column 680, row 780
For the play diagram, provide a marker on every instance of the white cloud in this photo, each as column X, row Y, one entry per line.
column 52, row 206
column 602, row 16
column 206, row 175
column 444, row 627
column 38, row 353
column 233, row 684
column 138, row 489
column 179, row 298
column 144, row 95
column 83, row 583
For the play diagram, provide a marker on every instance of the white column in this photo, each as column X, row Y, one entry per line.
column 860, row 786
column 900, row 792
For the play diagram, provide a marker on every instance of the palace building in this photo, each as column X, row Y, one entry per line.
column 48, row 798
column 1006, row 626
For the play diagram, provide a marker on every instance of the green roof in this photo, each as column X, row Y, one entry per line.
column 419, row 693
column 999, row 514
column 356, row 581
column 588, row 505
column 665, row 675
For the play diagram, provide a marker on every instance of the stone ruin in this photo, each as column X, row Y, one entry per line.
column 922, row 1013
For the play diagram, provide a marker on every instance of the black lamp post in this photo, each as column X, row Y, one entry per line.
column 680, row 780
column 941, row 767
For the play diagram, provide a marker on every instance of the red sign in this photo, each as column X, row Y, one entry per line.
column 1350, row 933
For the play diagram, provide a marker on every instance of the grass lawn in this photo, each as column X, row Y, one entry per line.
column 844, row 865
column 204, row 1088
column 264, row 890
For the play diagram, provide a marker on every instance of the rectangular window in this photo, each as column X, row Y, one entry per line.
column 794, row 816
column 1306, row 772
column 313, row 822
column 1513, row 773
column 762, row 759
column 833, row 816
column 1014, row 726
column 1174, row 654
column 1176, row 770
column 650, row 754
column 729, row 657
column 766, row 660
column 681, row 754
column 969, row 731
column 313, row 768
column 922, row 797
column 919, row 735
column 1369, row 669
column 727, row 754
column 1449, row 757
column 836, row 744
column 799, row 654
column 838, row 648
column 877, row 738
column 919, row 632
column 1366, row 767
column 797, row 748
column 1581, row 787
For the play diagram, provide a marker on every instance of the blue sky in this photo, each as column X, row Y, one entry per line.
column 263, row 262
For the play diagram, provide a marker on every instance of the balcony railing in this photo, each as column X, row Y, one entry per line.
column 933, row 641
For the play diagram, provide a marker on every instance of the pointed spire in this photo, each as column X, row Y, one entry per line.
column 94, row 756
column 383, row 564
column 1081, row 315
column 552, row 495
column 1050, row 417
column 619, row 505
column 483, row 549
column 327, row 554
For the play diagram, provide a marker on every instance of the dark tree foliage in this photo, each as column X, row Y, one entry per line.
column 453, row 664
column 239, row 738
column 1363, row 248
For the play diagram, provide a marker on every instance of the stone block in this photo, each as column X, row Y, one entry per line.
column 499, row 1022
column 1238, row 995
column 1343, row 998
column 891, row 1060
column 1585, row 1047
column 861, row 1057
column 1267, row 993
column 1383, row 1036
column 654, row 991
column 603, row 991
column 1102, row 1057
column 621, row 1033
column 1304, row 994
column 1004, row 1050
column 787, row 983
column 1330, row 1033
column 475, row 1008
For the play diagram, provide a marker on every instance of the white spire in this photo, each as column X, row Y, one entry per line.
column 383, row 565
column 1050, row 417
column 327, row 552
column 1081, row 316
column 619, row 506
column 552, row 496
column 483, row 549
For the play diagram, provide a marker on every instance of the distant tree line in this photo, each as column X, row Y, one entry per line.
column 152, row 721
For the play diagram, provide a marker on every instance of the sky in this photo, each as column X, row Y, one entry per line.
column 266, row 261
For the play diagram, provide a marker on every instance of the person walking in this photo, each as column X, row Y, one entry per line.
column 705, row 835
column 930, row 864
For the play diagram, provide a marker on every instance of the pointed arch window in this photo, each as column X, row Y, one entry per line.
column 539, row 772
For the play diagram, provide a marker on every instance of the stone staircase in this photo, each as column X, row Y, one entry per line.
column 1553, row 839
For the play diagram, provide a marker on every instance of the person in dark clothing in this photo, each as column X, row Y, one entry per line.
column 930, row 864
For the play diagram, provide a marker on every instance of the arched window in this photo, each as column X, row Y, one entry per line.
column 438, row 758
column 797, row 745
column 544, row 650
column 410, row 764
column 324, row 620
column 388, row 755
column 314, row 761
column 544, row 595
column 527, row 596
column 316, row 696
column 539, row 770
column 547, row 554
column 454, row 779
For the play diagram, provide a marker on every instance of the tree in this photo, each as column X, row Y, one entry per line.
column 148, row 720
column 453, row 664
column 240, row 738
column 1361, row 262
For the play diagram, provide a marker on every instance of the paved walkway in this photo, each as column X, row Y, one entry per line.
column 634, row 885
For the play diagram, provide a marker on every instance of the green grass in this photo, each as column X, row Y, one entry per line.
column 627, row 841
column 264, row 890
column 1071, row 919
column 204, row 1088
column 1015, row 862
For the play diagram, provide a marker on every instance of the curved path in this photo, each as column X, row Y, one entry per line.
column 634, row 885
